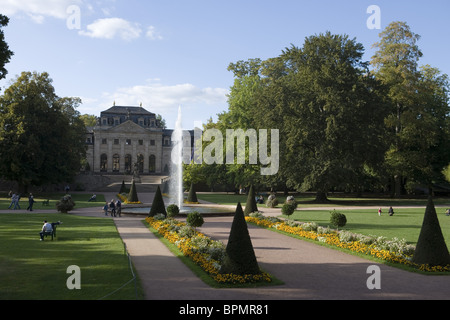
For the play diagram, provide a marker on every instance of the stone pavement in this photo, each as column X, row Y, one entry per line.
column 308, row 271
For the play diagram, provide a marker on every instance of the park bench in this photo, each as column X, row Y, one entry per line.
column 53, row 232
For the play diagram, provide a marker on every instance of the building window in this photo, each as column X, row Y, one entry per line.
column 152, row 142
column 104, row 141
column 103, row 163
column 116, row 141
column 152, row 164
column 141, row 142
column 116, row 163
column 128, row 163
column 128, row 142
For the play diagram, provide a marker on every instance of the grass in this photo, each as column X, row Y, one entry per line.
column 405, row 223
column 338, row 200
column 37, row 270
column 81, row 201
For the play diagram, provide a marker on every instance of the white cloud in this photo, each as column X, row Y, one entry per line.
column 111, row 28
column 160, row 97
column 152, row 34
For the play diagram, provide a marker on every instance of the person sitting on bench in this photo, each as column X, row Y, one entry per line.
column 47, row 227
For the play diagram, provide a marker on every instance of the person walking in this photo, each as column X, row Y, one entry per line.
column 105, row 209
column 113, row 208
column 379, row 212
column 118, row 208
column 30, row 202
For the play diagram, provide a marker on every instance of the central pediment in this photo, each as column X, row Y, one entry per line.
column 127, row 127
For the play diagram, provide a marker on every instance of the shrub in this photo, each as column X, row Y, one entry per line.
column 240, row 257
column 195, row 219
column 192, row 196
column 250, row 206
column 309, row 226
column 186, row 232
column 172, row 210
column 288, row 209
column 66, row 204
column 338, row 219
column 132, row 196
column 157, row 204
column 272, row 201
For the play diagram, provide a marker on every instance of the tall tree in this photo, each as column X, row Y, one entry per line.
column 329, row 112
column 41, row 135
column 417, row 122
column 5, row 53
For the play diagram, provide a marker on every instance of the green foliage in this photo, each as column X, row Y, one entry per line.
column 288, row 208
column 66, row 204
column 42, row 138
column 431, row 248
column 240, row 256
column 338, row 219
column 123, row 188
column 5, row 53
column 132, row 196
column 194, row 219
column 172, row 210
column 251, row 206
column 192, row 196
column 157, row 204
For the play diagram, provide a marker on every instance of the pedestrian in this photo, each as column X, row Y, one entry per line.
column 16, row 201
column 379, row 212
column 391, row 211
column 105, row 208
column 13, row 199
column 447, row 213
column 119, row 208
column 30, row 202
column 113, row 208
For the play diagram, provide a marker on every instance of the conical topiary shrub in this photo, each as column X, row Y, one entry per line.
column 132, row 196
column 251, row 206
column 192, row 196
column 123, row 188
column 240, row 257
column 158, row 204
column 431, row 248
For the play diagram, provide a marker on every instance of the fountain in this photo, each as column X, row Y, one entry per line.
column 176, row 171
column 176, row 180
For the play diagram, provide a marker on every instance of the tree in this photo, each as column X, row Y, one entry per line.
column 329, row 111
column 419, row 109
column 5, row 53
column 194, row 219
column 431, row 248
column 157, row 204
column 240, row 256
column 42, row 139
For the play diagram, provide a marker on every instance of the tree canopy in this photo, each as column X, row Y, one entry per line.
column 41, row 135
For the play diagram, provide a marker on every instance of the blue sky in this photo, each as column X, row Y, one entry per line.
column 166, row 54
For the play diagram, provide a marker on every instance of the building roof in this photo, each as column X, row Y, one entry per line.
column 123, row 110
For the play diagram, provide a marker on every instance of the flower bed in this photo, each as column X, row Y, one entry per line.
column 205, row 252
column 124, row 199
column 394, row 251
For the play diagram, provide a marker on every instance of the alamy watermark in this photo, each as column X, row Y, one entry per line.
column 374, row 21
column 236, row 148
column 73, row 21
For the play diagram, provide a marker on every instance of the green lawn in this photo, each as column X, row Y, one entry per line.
column 405, row 223
column 33, row 270
column 81, row 201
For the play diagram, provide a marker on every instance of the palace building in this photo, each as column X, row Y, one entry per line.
column 128, row 139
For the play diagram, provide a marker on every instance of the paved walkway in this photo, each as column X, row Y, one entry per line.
column 308, row 271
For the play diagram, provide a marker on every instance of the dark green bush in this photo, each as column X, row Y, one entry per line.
column 172, row 210
column 158, row 204
column 288, row 208
column 338, row 219
column 192, row 196
column 195, row 219
column 251, row 206
column 66, row 204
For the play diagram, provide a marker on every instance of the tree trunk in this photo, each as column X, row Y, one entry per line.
column 321, row 197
